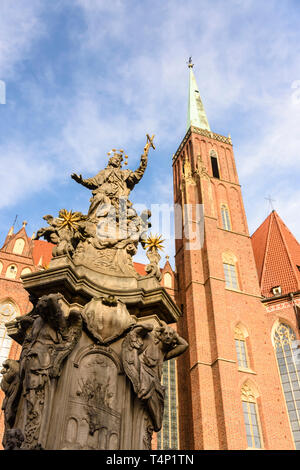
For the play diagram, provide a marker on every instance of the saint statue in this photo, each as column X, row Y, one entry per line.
column 113, row 183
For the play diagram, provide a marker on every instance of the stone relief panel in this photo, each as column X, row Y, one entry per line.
column 93, row 414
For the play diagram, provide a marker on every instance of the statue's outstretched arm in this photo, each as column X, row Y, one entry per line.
column 135, row 176
column 89, row 183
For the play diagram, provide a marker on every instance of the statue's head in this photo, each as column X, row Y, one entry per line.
column 10, row 369
column 166, row 335
column 116, row 159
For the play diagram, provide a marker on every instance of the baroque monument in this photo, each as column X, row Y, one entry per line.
column 93, row 346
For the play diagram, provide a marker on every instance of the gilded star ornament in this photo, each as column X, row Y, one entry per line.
column 154, row 242
column 68, row 219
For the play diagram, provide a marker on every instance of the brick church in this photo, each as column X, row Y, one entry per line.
column 238, row 385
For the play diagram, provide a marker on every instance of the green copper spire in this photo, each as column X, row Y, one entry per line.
column 196, row 112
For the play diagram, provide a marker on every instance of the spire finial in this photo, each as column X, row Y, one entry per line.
column 196, row 112
column 190, row 63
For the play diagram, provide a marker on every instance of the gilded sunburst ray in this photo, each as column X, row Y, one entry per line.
column 68, row 219
column 154, row 242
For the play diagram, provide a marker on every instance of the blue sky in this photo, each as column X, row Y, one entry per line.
column 85, row 76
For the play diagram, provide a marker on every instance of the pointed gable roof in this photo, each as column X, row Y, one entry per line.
column 9, row 243
column 277, row 256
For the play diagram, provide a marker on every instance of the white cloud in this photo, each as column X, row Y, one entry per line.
column 22, row 173
column 20, row 26
column 137, row 82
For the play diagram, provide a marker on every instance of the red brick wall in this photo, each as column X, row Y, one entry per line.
column 210, row 381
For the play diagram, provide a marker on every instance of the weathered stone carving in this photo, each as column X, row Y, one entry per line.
column 10, row 385
column 153, row 244
column 62, row 231
column 153, row 267
column 90, row 377
column 106, row 319
column 107, row 237
column 48, row 342
column 94, row 412
column 13, row 439
column 143, row 353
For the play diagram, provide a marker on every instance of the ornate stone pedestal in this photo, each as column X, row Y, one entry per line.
column 105, row 392
column 89, row 374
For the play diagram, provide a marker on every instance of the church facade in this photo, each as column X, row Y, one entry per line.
column 238, row 384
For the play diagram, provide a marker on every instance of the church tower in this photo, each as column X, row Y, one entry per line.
column 230, row 394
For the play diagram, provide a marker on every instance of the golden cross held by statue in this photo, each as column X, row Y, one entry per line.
column 150, row 140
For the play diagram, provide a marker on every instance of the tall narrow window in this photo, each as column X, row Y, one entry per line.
column 225, row 217
column 241, row 348
column 214, row 164
column 251, row 418
column 167, row 438
column 289, row 369
column 231, row 280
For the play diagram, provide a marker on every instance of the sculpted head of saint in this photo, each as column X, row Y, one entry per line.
column 116, row 160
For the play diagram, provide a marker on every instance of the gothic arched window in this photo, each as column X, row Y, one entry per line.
column 11, row 272
column 230, row 270
column 8, row 312
column 19, row 246
column 251, row 417
column 25, row 271
column 225, row 217
column 241, row 348
column 285, row 344
column 214, row 164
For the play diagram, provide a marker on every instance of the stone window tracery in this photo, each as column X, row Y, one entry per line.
column 251, row 417
column 241, row 348
column 225, row 217
column 230, row 270
column 288, row 361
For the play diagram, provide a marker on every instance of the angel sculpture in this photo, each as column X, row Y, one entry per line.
column 62, row 231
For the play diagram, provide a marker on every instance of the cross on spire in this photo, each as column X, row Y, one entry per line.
column 270, row 200
column 190, row 63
